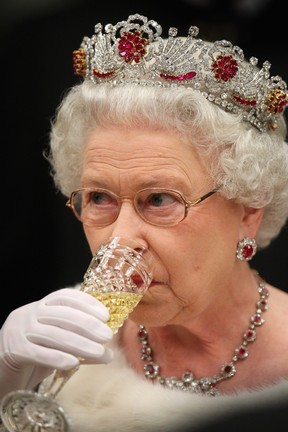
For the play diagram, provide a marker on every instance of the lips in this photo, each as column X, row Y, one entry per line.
column 138, row 281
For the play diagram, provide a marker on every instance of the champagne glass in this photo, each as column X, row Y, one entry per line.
column 118, row 275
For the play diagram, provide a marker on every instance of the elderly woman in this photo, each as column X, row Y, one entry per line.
column 180, row 145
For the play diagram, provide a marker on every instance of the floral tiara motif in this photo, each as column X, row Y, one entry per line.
column 132, row 51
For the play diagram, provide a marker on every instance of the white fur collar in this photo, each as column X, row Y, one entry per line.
column 114, row 398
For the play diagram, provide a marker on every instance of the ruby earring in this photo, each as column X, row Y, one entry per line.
column 246, row 249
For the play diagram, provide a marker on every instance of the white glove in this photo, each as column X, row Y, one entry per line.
column 53, row 332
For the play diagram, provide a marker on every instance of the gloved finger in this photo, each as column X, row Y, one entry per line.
column 78, row 300
column 47, row 358
column 74, row 320
column 107, row 357
column 65, row 341
column 54, row 359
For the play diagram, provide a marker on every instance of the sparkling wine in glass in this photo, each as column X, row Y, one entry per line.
column 118, row 275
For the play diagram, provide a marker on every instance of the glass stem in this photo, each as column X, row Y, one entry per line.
column 52, row 385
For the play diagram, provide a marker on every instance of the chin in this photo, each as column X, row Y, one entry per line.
column 148, row 315
column 138, row 313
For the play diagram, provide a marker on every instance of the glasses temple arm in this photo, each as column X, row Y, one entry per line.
column 207, row 195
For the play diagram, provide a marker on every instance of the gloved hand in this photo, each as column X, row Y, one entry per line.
column 53, row 332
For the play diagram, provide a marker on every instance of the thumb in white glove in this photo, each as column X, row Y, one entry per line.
column 52, row 333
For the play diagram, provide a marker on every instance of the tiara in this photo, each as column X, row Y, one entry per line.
column 133, row 51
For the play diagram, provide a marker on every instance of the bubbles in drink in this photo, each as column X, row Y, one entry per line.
column 120, row 304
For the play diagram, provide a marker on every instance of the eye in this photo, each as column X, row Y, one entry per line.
column 161, row 199
column 100, row 198
column 98, row 206
column 160, row 207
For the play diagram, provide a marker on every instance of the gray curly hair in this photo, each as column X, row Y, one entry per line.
column 251, row 166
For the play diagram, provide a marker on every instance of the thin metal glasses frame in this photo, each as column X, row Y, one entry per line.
column 120, row 199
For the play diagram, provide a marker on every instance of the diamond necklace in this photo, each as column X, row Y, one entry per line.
column 205, row 385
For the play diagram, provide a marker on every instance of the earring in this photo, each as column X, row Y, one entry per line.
column 246, row 249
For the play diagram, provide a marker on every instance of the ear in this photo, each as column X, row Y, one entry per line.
column 251, row 221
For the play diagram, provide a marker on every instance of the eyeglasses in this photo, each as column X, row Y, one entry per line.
column 156, row 206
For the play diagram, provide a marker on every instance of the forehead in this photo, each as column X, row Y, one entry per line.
column 136, row 153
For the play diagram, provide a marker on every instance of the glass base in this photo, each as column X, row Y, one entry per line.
column 27, row 411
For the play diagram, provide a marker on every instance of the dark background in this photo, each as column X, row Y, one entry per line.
column 43, row 247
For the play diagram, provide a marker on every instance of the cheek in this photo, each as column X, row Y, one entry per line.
column 176, row 254
column 192, row 249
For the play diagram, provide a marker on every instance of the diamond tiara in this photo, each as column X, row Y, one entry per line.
column 133, row 51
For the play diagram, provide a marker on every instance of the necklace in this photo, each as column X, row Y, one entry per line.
column 205, row 385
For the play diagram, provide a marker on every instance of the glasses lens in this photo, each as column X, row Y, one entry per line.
column 96, row 207
column 160, row 207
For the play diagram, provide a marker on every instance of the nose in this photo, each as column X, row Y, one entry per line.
column 129, row 224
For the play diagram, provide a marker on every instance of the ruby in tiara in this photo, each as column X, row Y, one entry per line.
column 131, row 47
column 133, row 51
column 187, row 76
column 224, row 67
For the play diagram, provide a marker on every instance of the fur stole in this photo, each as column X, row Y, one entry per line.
column 114, row 398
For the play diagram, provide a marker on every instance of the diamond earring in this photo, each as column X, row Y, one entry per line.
column 246, row 249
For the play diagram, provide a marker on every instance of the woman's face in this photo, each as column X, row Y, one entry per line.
column 193, row 259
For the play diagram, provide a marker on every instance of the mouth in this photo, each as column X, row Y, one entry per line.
column 138, row 281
